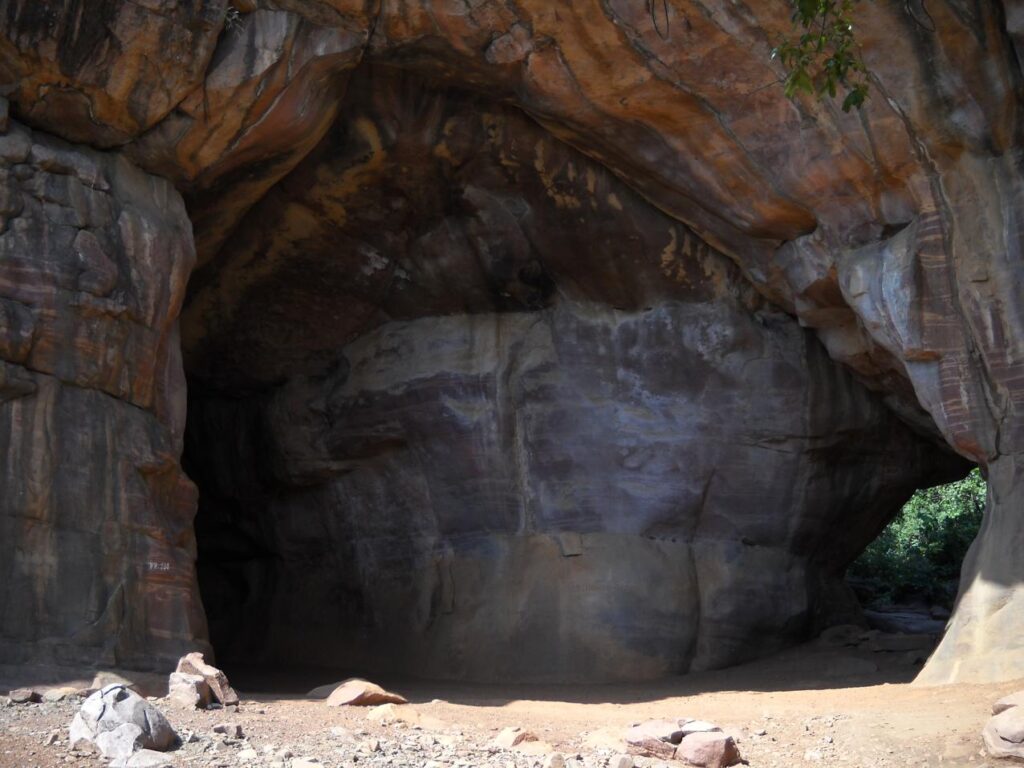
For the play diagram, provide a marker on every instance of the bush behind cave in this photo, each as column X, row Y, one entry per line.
column 919, row 554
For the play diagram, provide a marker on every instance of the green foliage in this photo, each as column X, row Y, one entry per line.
column 824, row 58
column 920, row 552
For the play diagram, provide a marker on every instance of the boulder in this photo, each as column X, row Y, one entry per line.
column 513, row 736
column 362, row 693
column 59, row 694
column 1009, row 701
column 194, row 664
column 1004, row 733
column 708, row 750
column 120, row 742
column 188, row 691
column 24, row 696
column 119, row 722
column 654, row 738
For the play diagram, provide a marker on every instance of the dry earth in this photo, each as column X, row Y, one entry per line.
column 808, row 706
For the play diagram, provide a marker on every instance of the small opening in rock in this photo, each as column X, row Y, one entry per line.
column 907, row 578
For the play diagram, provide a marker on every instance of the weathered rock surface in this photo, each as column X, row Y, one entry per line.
column 1015, row 699
column 96, row 514
column 189, row 691
column 102, row 71
column 462, row 379
column 361, row 693
column 708, row 750
column 654, row 738
column 193, row 664
column 1004, row 734
column 120, row 722
column 24, row 696
column 503, row 405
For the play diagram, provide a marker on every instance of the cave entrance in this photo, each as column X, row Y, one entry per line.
column 437, row 504
column 272, row 577
column 907, row 578
column 464, row 405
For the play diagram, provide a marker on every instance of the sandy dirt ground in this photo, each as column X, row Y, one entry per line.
column 808, row 706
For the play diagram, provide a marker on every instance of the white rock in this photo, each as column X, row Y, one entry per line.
column 123, row 741
column 111, row 708
column 188, row 690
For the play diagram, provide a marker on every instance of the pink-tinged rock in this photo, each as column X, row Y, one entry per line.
column 195, row 664
column 654, row 738
column 708, row 750
column 513, row 736
column 362, row 693
column 24, row 696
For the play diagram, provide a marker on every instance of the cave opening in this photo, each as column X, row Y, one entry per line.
column 464, row 405
column 907, row 578
column 377, row 549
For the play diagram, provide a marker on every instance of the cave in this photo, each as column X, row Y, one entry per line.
column 463, row 405
column 496, row 341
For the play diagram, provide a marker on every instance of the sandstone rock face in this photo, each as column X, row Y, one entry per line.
column 270, row 94
column 625, row 353
column 102, row 71
column 95, row 514
column 539, row 375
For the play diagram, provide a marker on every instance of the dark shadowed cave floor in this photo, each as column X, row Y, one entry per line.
column 811, row 705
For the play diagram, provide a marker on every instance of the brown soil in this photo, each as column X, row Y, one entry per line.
column 807, row 706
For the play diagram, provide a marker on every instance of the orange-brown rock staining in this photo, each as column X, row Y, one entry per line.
column 554, row 319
